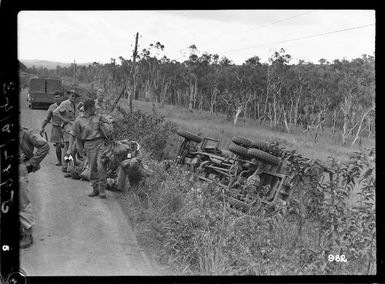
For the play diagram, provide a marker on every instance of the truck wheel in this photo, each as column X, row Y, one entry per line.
column 260, row 155
column 242, row 141
column 189, row 135
column 239, row 150
column 32, row 106
column 261, row 145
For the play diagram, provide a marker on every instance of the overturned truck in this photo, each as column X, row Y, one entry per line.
column 247, row 172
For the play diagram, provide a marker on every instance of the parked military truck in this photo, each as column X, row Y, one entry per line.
column 41, row 91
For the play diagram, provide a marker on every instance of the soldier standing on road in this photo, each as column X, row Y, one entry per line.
column 100, row 103
column 66, row 111
column 89, row 130
column 28, row 162
column 56, row 131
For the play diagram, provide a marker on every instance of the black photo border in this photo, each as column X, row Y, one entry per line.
column 9, row 129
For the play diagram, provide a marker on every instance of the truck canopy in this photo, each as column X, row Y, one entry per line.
column 54, row 85
column 39, row 85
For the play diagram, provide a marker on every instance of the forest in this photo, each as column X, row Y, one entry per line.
column 339, row 95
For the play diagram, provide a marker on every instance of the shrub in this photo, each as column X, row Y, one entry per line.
column 197, row 233
column 151, row 131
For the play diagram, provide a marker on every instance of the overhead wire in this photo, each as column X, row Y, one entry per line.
column 275, row 22
column 279, row 21
column 300, row 38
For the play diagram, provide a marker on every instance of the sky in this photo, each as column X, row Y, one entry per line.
column 98, row 36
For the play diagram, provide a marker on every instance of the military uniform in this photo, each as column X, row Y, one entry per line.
column 29, row 162
column 56, row 131
column 88, row 130
column 101, row 107
column 68, row 110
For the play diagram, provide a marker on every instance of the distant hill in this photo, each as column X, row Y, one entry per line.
column 48, row 64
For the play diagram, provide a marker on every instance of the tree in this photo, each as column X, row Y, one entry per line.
column 276, row 73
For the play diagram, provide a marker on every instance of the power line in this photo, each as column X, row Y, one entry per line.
column 278, row 21
column 299, row 38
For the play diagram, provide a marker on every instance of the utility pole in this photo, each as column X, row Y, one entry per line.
column 134, row 70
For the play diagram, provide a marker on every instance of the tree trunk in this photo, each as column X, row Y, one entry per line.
column 245, row 112
column 258, row 114
column 229, row 112
column 147, row 93
column 285, row 120
column 274, row 111
column 370, row 127
column 195, row 96
column 346, row 109
column 297, row 107
column 360, row 125
column 334, row 120
column 178, row 100
column 164, row 93
column 345, row 130
column 213, row 100
column 239, row 110
column 191, row 100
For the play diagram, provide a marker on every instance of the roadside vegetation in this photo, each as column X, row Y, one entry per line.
column 322, row 111
column 184, row 223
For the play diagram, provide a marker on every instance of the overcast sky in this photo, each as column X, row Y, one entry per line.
column 88, row 36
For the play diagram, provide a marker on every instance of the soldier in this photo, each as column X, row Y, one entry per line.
column 56, row 131
column 89, row 130
column 100, row 103
column 29, row 162
column 66, row 112
column 130, row 167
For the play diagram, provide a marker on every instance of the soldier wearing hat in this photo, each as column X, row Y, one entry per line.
column 66, row 112
column 56, row 130
column 89, row 130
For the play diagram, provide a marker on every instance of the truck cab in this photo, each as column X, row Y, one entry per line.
column 41, row 91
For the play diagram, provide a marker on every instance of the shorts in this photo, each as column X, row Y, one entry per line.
column 56, row 134
column 67, row 132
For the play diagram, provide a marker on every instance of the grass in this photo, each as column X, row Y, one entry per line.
column 217, row 127
column 185, row 228
column 183, row 225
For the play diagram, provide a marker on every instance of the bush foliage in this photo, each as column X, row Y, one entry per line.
column 195, row 232
column 151, row 131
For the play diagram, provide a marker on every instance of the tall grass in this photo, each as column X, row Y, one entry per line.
column 189, row 227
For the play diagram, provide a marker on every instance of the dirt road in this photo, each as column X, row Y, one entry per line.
column 75, row 234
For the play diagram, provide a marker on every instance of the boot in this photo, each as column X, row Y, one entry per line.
column 26, row 238
column 94, row 192
column 102, row 194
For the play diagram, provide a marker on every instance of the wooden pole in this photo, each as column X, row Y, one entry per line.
column 134, row 71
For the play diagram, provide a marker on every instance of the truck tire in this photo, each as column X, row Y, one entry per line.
column 189, row 135
column 242, row 141
column 261, row 145
column 32, row 106
column 239, row 150
column 261, row 155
